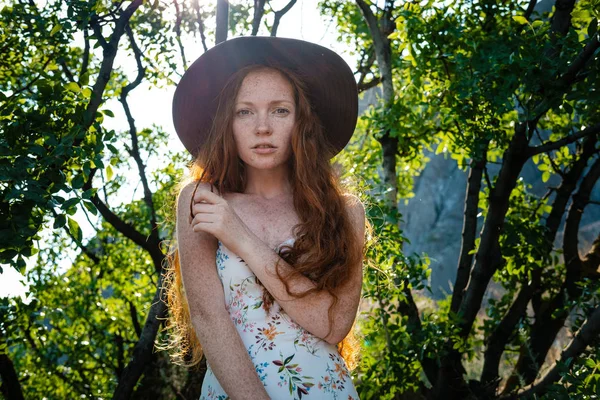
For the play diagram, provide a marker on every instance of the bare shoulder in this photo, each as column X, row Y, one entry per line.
column 355, row 207
column 187, row 190
column 184, row 210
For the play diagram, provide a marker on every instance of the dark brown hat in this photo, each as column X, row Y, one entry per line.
column 330, row 83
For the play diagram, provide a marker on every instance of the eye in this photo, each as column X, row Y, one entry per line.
column 243, row 112
column 282, row 110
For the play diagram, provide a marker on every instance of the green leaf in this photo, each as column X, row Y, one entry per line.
column 590, row 363
column 108, row 113
column 545, row 176
column 59, row 221
column 73, row 87
column 520, row 19
column 56, row 29
column 109, row 172
column 75, row 229
column 21, row 265
column 78, row 181
column 70, row 203
column 90, row 207
column 592, row 27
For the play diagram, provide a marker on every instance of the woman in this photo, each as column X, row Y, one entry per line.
column 269, row 247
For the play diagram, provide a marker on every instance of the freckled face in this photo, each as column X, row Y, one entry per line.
column 264, row 120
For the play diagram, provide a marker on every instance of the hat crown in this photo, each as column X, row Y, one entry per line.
column 329, row 81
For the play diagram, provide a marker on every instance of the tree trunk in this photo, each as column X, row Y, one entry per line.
column 222, row 21
column 10, row 388
column 383, row 53
column 143, row 352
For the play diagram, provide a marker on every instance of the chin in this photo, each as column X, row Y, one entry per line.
column 265, row 164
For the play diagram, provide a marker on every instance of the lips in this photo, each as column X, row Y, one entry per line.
column 264, row 148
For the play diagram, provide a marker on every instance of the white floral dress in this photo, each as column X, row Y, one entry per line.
column 291, row 362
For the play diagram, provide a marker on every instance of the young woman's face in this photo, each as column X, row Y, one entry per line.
column 264, row 120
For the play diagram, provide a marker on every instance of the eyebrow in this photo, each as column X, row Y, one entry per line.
column 270, row 103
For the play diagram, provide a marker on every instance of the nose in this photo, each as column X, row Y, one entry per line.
column 263, row 126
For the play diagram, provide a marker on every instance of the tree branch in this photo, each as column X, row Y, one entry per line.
column 364, row 68
column 135, row 152
column 503, row 331
column 67, row 72
column 129, row 231
column 259, row 10
column 469, row 231
column 549, row 146
column 85, row 59
column 77, row 386
column 580, row 200
column 196, row 6
column 368, row 85
column 488, row 256
column 588, row 333
column 561, row 20
column 582, row 58
column 383, row 53
column 409, row 308
column 10, row 387
column 83, row 247
column 530, row 8
column 34, row 80
column 95, row 24
column 496, row 342
column 551, row 320
column 109, row 53
column 177, row 29
column 222, row 21
column 134, row 318
column 143, row 350
column 279, row 14
column 591, row 261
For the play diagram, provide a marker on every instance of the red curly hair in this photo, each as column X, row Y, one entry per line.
column 325, row 244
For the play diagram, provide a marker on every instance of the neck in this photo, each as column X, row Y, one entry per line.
column 268, row 184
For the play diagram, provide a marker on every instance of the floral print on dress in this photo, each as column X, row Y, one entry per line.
column 213, row 395
column 298, row 385
column 283, row 352
column 335, row 378
column 241, row 302
column 221, row 258
column 265, row 337
column 307, row 340
column 260, row 370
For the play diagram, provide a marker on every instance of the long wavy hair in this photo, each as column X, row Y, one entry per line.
column 325, row 245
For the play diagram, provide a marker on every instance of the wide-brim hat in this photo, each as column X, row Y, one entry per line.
column 330, row 84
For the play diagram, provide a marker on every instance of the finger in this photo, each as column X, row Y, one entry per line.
column 203, row 218
column 205, row 208
column 207, row 196
column 203, row 226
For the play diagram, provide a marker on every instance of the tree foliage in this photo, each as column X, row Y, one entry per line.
column 496, row 86
column 489, row 83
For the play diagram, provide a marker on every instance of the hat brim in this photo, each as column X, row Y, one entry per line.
column 330, row 83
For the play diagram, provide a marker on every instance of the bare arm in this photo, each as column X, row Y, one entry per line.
column 214, row 215
column 220, row 341
column 310, row 312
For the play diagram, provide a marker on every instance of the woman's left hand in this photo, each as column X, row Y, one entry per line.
column 214, row 215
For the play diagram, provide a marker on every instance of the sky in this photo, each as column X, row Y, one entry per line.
column 153, row 106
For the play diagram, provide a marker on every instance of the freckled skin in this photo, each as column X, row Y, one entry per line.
column 271, row 220
column 265, row 112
